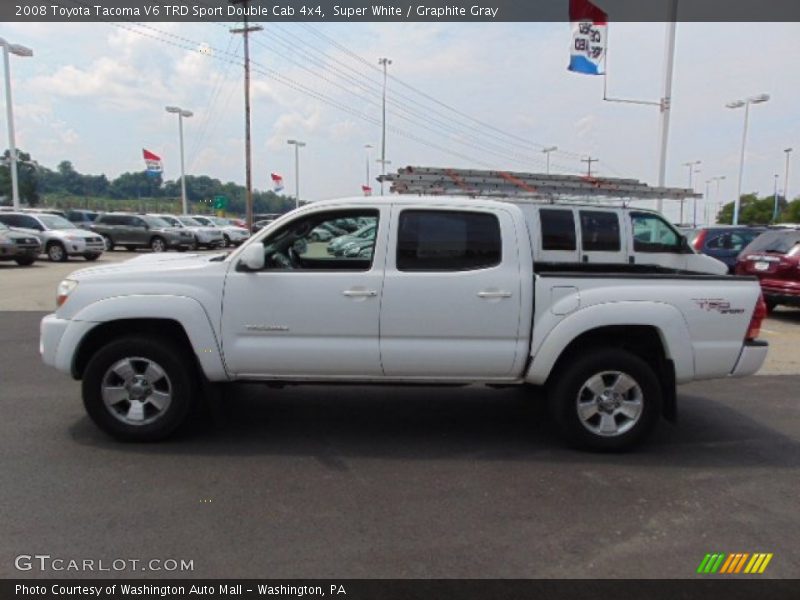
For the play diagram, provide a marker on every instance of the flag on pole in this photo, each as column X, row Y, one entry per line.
column 152, row 163
column 367, row 190
column 277, row 182
column 588, row 51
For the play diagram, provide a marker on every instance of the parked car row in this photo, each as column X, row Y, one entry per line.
column 57, row 237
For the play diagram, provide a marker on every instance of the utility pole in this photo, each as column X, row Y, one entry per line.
column 590, row 160
column 666, row 99
column 297, row 145
column 385, row 62
column 547, row 152
column 786, row 176
column 248, row 158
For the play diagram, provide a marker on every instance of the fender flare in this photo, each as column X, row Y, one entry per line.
column 666, row 319
column 188, row 312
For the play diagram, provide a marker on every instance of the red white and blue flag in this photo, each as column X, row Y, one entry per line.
column 367, row 190
column 589, row 35
column 152, row 163
column 277, row 182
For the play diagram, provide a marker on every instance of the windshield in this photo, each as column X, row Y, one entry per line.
column 204, row 220
column 155, row 221
column 780, row 242
column 171, row 220
column 55, row 222
column 190, row 222
column 221, row 222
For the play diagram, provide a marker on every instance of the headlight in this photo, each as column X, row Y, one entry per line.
column 65, row 288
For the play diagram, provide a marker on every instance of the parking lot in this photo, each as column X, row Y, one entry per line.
column 344, row 481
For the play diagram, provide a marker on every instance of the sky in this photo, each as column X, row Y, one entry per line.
column 95, row 94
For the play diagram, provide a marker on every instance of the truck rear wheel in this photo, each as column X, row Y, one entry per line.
column 139, row 389
column 608, row 399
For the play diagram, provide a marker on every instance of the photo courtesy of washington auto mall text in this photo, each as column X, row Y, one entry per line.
column 463, row 299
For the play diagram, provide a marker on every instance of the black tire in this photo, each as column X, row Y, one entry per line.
column 109, row 242
column 158, row 244
column 91, row 257
column 56, row 252
column 567, row 390
column 25, row 262
column 227, row 241
column 180, row 374
column 771, row 305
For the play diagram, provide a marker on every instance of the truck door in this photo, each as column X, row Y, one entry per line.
column 308, row 312
column 602, row 239
column 452, row 288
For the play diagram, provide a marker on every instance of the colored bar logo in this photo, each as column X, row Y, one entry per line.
column 732, row 564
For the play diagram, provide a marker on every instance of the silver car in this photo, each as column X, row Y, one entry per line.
column 207, row 237
column 234, row 236
column 60, row 239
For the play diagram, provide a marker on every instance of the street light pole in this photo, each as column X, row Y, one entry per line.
column 22, row 51
column 385, row 62
column 297, row 145
column 775, row 200
column 788, row 151
column 691, row 165
column 738, row 104
column 176, row 110
column 367, row 147
column 547, row 152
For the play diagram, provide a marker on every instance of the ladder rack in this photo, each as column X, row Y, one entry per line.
column 512, row 185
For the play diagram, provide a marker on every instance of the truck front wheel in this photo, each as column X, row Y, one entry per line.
column 139, row 389
column 608, row 399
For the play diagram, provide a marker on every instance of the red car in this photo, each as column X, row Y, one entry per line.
column 774, row 257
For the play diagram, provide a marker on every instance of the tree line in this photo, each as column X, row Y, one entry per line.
column 71, row 188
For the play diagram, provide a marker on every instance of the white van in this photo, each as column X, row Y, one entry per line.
column 567, row 233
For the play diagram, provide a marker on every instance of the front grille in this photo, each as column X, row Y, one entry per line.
column 27, row 242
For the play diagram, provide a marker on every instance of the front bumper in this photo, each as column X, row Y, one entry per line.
column 752, row 357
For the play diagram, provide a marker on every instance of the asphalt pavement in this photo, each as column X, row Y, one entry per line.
column 342, row 481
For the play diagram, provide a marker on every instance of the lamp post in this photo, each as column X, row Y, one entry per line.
column 384, row 62
column 182, row 114
column 775, row 200
column 547, row 152
column 691, row 166
column 16, row 50
column 734, row 105
column 367, row 147
column 788, row 151
column 297, row 145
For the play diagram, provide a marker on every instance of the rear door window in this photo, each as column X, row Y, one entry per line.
column 438, row 240
column 600, row 231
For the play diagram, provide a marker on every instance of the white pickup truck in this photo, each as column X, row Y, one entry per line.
column 446, row 292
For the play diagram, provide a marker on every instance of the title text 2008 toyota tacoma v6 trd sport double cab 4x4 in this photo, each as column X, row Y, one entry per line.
column 447, row 293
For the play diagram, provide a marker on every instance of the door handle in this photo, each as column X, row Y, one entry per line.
column 360, row 293
column 490, row 295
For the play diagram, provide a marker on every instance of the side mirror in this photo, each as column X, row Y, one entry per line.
column 684, row 246
column 252, row 258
